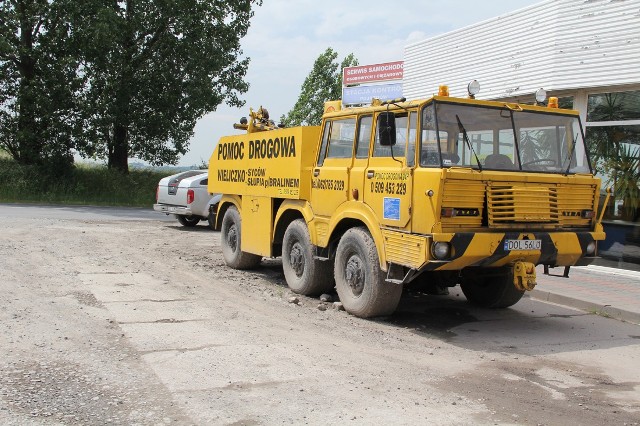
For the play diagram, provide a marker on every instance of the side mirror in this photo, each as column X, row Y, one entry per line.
column 387, row 128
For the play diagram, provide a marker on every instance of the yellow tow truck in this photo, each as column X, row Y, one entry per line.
column 440, row 191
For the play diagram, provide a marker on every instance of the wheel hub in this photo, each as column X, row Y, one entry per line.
column 232, row 238
column 354, row 275
column 296, row 258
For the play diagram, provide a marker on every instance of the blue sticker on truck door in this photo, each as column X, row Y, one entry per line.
column 391, row 208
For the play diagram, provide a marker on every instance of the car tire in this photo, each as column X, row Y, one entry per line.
column 188, row 221
column 360, row 282
column 490, row 288
column 211, row 219
column 305, row 274
column 230, row 239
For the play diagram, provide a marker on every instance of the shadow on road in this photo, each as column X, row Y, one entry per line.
column 530, row 327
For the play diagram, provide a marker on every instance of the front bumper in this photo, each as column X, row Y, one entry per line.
column 489, row 249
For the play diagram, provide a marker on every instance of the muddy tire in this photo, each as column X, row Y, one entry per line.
column 360, row 282
column 490, row 288
column 304, row 274
column 188, row 221
column 230, row 240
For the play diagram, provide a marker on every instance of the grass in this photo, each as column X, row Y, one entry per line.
column 80, row 185
column 600, row 313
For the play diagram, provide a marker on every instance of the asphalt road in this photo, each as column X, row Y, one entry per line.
column 121, row 316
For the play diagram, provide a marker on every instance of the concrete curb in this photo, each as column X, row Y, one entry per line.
column 583, row 305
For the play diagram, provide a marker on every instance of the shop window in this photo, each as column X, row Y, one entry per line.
column 613, row 138
column 616, row 106
column 566, row 102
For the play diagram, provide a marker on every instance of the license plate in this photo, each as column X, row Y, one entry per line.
column 172, row 209
column 519, row 245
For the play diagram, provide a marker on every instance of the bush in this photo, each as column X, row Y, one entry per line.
column 82, row 184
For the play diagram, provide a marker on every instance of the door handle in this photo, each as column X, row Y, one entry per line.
column 316, row 172
column 370, row 174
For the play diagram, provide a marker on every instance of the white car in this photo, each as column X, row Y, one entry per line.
column 186, row 196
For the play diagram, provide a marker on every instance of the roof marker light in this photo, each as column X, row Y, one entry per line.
column 443, row 90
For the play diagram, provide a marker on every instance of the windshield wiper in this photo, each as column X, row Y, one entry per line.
column 466, row 139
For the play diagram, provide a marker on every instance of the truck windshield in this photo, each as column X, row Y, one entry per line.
column 489, row 138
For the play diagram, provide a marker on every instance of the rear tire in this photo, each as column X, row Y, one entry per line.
column 360, row 282
column 490, row 288
column 211, row 219
column 304, row 274
column 230, row 239
column 188, row 221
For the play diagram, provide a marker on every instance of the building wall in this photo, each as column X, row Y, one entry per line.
column 556, row 44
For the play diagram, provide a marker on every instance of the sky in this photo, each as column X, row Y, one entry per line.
column 287, row 36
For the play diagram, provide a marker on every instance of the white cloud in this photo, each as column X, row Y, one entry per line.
column 287, row 36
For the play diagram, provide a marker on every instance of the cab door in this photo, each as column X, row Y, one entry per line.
column 330, row 182
column 389, row 174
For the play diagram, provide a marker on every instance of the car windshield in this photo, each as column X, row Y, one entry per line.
column 501, row 139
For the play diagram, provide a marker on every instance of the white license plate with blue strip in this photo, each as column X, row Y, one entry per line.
column 522, row 245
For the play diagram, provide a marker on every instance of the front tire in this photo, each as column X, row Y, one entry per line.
column 360, row 282
column 490, row 288
column 304, row 274
column 188, row 221
column 230, row 237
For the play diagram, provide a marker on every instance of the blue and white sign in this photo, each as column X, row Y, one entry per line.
column 391, row 208
column 364, row 94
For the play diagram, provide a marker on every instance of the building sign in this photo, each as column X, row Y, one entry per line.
column 371, row 73
column 364, row 94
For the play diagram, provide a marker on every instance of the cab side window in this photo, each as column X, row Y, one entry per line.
column 341, row 139
column 364, row 136
column 402, row 134
column 413, row 135
column 325, row 140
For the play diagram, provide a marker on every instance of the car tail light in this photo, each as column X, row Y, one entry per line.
column 190, row 196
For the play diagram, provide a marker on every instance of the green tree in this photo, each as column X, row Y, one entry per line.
column 153, row 68
column 323, row 83
column 38, row 79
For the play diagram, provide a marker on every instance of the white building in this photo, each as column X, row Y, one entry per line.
column 574, row 49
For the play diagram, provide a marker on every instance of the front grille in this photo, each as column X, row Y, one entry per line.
column 525, row 203
column 517, row 205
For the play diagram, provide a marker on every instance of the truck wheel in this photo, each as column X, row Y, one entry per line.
column 360, row 282
column 490, row 289
column 305, row 275
column 188, row 221
column 230, row 239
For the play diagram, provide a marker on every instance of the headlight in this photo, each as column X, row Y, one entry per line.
column 591, row 248
column 441, row 250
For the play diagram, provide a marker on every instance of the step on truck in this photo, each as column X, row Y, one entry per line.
column 432, row 193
